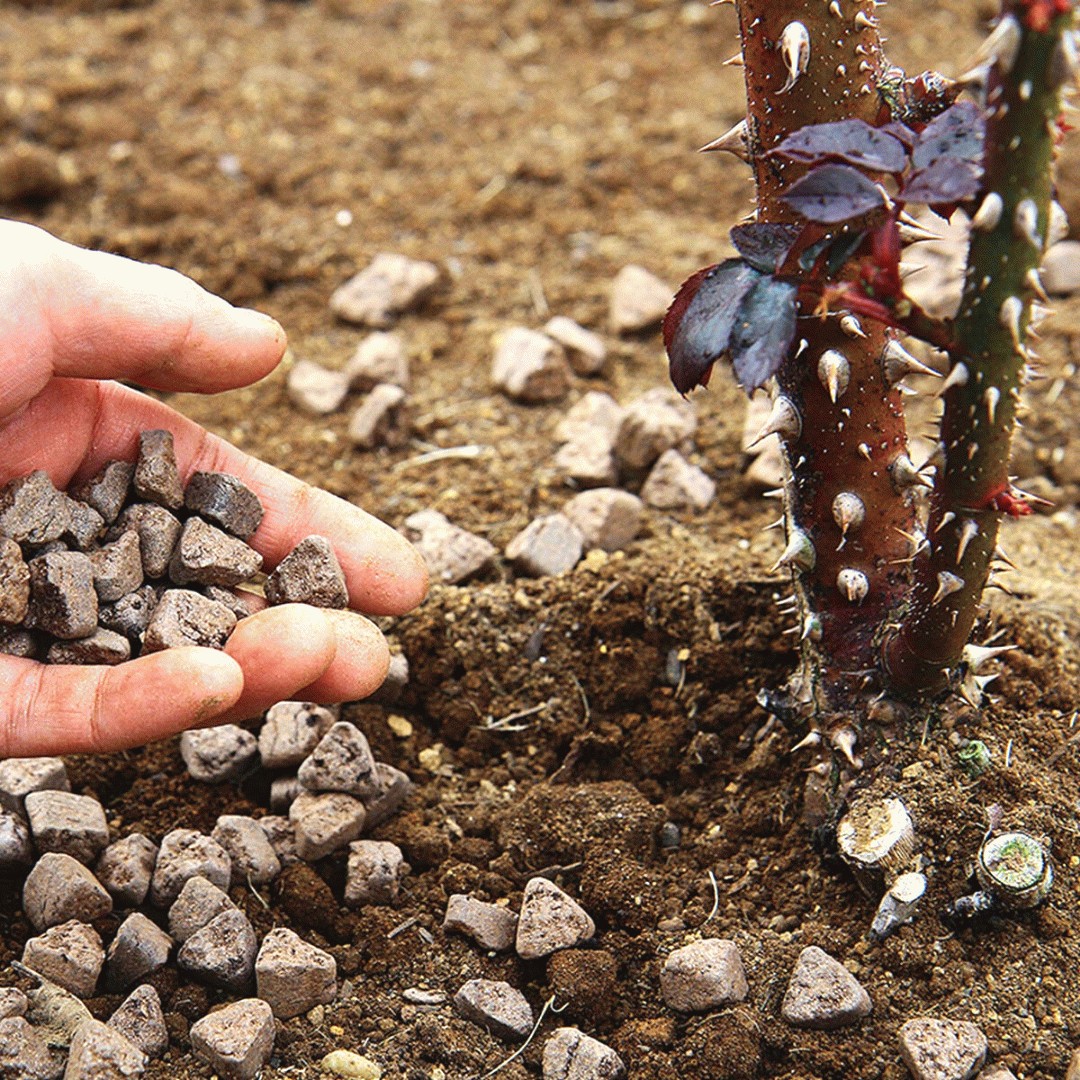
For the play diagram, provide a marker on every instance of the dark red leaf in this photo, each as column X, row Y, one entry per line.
column 946, row 181
column 853, row 141
column 765, row 244
column 958, row 133
column 764, row 332
column 699, row 323
column 833, row 193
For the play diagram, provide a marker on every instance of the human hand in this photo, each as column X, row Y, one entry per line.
column 72, row 320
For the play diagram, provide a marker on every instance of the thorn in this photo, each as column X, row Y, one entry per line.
column 795, row 49
column 989, row 213
column 773, row 493
column 733, row 141
column 853, row 584
column 844, row 739
column 734, row 61
column 958, row 376
column 810, row 739
column 1057, row 225
column 968, row 531
column 834, row 371
column 1003, row 45
column 865, row 451
column 999, row 553
column 1033, row 280
column 947, row 518
column 863, row 21
column 784, row 420
column 811, row 628
column 978, row 656
column 1026, row 223
column 947, row 584
column 897, row 362
column 905, row 476
column 777, row 524
column 1009, row 315
column 851, row 326
column 849, row 512
column 992, row 395
column 834, row 9
column 799, row 553
column 1064, row 62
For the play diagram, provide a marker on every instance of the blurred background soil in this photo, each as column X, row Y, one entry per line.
column 531, row 148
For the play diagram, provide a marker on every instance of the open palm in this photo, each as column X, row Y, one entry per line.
column 71, row 321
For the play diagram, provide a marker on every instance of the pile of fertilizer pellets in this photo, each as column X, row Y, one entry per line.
column 132, row 562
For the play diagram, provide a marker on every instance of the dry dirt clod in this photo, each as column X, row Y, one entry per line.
column 529, row 367
column 60, row 888
column 936, row 1049
column 389, row 285
column 182, row 617
column 497, row 1006
column 156, row 477
column 491, row 926
column 71, row 824
column 608, row 518
column 158, row 532
column 23, row 1052
column 101, row 647
column 222, row 952
column 125, row 868
column 186, row 853
column 20, row 776
column 69, row 955
column 32, row 511
column 823, row 994
column 550, row 920
column 293, row 976
column 381, row 419
column 452, row 554
column 108, row 490
column 140, row 1020
column 63, row 601
column 325, row 822
column 374, row 874
column 570, row 1054
column 139, row 948
column 585, row 350
column 548, row 545
column 379, row 358
column 207, row 555
column 217, row 755
column 309, row 574
column 675, row 484
column 224, row 500
column 704, row 975
column 243, row 838
column 639, row 300
column 198, row 902
column 315, row 389
column 236, row 1041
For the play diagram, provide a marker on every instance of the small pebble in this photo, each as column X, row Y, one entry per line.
column 675, row 484
column 20, row 776
column 497, row 1006
column 315, row 389
column 182, row 617
column 590, row 463
column 389, row 285
column 17, row 642
column 24, row 1054
column 139, row 948
column 252, row 856
column 283, row 791
column 639, row 300
column 219, row 754
column 1061, row 268
column 290, row 731
column 12, row 1002
column 570, row 1054
column 550, row 920
column 85, row 527
column 141, row 1020
column 397, row 678
column 529, row 367
column 222, row 952
column 452, row 554
column 381, row 419
column 235, row 1041
column 16, row 847
column 63, row 601
column 100, row 1052
column 71, row 824
column 125, row 868
column 158, row 532
column 60, row 888
column 32, row 511
column 325, row 822
column 379, row 358
column 342, row 761
column 226, row 501
column 374, row 873
column 101, row 647
column 117, row 567
column 184, row 854
column 70, row 955
column 935, row 1049
column 595, row 416
column 548, row 545
column 14, row 582
column 198, row 902
column 395, row 786
column 293, row 976
column 309, row 574
column 281, row 834
column 823, row 994
column 207, row 555
column 704, row 975
column 108, row 490
column 491, row 926
column 608, row 518
column 349, row 1064
column 651, row 424
column 584, row 349
column 157, row 478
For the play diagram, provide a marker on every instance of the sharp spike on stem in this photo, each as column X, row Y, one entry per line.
column 853, row 584
column 844, row 740
column 947, row 584
column 978, row 656
column 799, row 554
column 795, row 49
column 809, row 740
column 834, row 372
column 733, row 141
column 968, row 531
column 989, row 213
column 897, row 362
column 991, row 395
column 784, row 420
column 958, row 376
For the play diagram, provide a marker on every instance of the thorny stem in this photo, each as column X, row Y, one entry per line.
column 972, row 487
column 847, row 583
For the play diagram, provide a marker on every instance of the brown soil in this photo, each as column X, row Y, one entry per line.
column 532, row 147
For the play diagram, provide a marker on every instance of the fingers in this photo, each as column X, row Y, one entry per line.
column 73, row 427
column 67, row 709
column 89, row 314
column 360, row 663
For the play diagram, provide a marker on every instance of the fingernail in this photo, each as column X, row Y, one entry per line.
column 258, row 323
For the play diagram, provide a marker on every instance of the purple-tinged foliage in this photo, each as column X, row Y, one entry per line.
column 765, row 331
column 958, row 134
column 851, row 141
column 944, row 182
column 765, row 244
column 831, row 194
